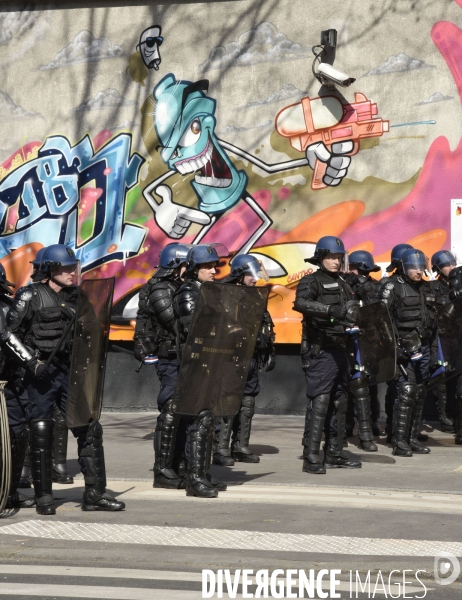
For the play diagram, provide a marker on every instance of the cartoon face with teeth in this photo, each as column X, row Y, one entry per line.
column 185, row 125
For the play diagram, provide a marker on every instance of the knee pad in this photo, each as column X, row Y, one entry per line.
column 167, row 416
column 205, row 422
column 341, row 403
column 248, row 406
column 358, row 387
column 320, row 405
column 59, row 421
column 94, row 436
column 407, row 392
column 41, row 432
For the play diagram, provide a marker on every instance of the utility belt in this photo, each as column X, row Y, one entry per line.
column 167, row 349
column 315, row 340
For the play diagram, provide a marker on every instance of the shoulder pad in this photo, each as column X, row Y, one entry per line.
column 25, row 293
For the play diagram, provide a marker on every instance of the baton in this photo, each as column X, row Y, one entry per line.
column 120, row 349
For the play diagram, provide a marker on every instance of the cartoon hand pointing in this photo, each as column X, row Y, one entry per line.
column 173, row 219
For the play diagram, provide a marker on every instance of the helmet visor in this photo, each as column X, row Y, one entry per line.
column 256, row 270
column 414, row 262
column 447, row 260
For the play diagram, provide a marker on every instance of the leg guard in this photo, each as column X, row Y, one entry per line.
column 26, row 476
column 390, row 399
column 350, row 417
column 441, row 398
column 41, row 440
column 200, row 431
column 334, row 455
column 407, row 391
column 60, row 436
column 222, row 436
column 164, row 448
column 19, row 443
column 375, row 410
column 240, row 447
column 416, row 420
column 91, row 459
column 362, row 402
column 458, row 424
column 312, row 444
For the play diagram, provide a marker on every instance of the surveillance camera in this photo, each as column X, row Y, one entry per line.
column 330, row 75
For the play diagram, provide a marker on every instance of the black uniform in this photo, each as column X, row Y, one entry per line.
column 455, row 291
column 319, row 298
column 412, row 306
column 40, row 317
column 361, row 396
column 239, row 426
column 155, row 334
column 18, row 407
column 199, row 432
column 442, row 389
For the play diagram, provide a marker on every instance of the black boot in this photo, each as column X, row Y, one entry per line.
column 362, row 402
column 336, row 458
column 222, row 436
column 41, row 442
column 441, row 397
column 60, row 435
column 200, row 432
column 164, row 447
column 416, row 419
column 240, row 447
column 402, row 418
column 312, row 444
column 91, row 459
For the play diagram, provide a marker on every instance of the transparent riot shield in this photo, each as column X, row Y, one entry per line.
column 216, row 357
column 450, row 336
column 91, row 334
column 376, row 343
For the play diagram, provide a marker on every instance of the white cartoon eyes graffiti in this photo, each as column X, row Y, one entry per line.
column 149, row 43
column 192, row 134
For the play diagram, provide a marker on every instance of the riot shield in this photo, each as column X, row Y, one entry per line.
column 216, row 357
column 91, row 334
column 376, row 343
column 450, row 336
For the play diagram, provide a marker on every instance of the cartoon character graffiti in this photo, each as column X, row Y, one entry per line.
column 150, row 41
column 185, row 123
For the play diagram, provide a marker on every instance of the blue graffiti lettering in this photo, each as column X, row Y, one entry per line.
column 48, row 190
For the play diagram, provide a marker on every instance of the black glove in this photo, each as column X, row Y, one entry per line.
column 268, row 362
column 138, row 351
column 37, row 368
column 338, row 312
column 305, row 365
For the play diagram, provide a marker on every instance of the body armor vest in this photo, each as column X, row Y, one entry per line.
column 331, row 290
column 414, row 308
column 49, row 322
column 441, row 291
column 366, row 290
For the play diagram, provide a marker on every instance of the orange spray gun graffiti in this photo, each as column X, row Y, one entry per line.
column 326, row 119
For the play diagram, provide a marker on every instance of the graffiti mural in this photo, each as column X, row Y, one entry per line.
column 225, row 138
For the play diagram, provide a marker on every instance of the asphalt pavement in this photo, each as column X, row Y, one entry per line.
column 393, row 515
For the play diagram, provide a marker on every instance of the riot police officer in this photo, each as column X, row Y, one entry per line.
column 455, row 292
column 155, row 335
column 15, row 396
column 443, row 262
column 328, row 306
column 201, row 266
column 42, row 317
column 394, row 270
column 364, row 397
column 412, row 306
column 245, row 270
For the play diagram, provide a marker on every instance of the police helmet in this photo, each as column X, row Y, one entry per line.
column 329, row 244
column 246, row 264
column 58, row 255
column 396, row 255
column 363, row 260
column 171, row 257
column 413, row 259
column 4, row 283
column 443, row 258
column 38, row 259
column 204, row 254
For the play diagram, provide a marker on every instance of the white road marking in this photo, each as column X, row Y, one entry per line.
column 228, row 539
